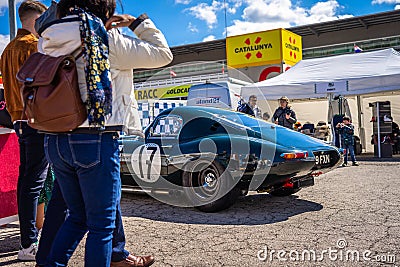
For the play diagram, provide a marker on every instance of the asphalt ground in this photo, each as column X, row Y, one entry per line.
column 351, row 217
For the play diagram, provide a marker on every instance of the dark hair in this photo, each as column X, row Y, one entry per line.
column 103, row 9
column 345, row 118
column 28, row 7
column 252, row 97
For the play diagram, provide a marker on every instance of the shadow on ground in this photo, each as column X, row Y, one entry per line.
column 250, row 210
column 9, row 243
column 370, row 157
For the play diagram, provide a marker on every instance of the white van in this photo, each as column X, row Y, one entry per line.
column 220, row 94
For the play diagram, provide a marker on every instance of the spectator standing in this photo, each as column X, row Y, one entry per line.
column 245, row 108
column 284, row 115
column 253, row 105
column 346, row 130
column 266, row 116
column 97, row 215
column 33, row 164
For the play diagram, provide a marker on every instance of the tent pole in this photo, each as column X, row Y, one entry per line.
column 379, row 129
column 360, row 116
column 12, row 19
column 333, row 137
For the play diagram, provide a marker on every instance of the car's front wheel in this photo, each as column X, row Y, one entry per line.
column 208, row 186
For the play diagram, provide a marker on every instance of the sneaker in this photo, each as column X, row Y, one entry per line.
column 344, row 164
column 28, row 254
column 355, row 163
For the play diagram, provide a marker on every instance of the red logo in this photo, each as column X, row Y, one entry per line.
column 271, row 71
column 248, row 42
column 253, row 48
column 293, row 48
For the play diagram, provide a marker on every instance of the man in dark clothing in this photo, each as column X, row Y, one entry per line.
column 253, row 105
column 245, row 108
column 284, row 115
column 346, row 130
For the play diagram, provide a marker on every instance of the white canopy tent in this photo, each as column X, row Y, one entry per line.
column 356, row 76
column 362, row 73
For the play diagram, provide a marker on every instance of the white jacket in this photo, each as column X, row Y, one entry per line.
column 125, row 53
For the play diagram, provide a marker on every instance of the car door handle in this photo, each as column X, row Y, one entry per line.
column 167, row 146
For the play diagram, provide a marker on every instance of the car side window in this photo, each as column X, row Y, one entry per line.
column 168, row 126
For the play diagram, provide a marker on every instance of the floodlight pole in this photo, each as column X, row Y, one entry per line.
column 12, row 18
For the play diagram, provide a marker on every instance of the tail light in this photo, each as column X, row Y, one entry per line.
column 295, row 155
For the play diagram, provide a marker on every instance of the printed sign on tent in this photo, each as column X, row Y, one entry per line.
column 331, row 87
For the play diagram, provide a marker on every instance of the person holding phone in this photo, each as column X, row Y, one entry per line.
column 86, row 160
column 284, row 115
column 346, row 131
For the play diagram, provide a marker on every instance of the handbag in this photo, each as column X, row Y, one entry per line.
column 50, row 92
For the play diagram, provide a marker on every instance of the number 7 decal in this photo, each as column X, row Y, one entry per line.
column 149, row 163
column 146, row 162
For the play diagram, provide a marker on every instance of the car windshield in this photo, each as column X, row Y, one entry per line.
column 242, row 119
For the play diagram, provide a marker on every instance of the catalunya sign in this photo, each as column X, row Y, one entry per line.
column 263, row 48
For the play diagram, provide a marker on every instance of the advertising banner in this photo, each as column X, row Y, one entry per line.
column 254, row 49
column 263, row 48
column 291, row 47
column 163, row 93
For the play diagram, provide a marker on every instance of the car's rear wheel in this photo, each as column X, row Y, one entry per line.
column 284, row 192
column 208, row 187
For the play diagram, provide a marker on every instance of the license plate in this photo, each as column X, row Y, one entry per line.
column 322, row 159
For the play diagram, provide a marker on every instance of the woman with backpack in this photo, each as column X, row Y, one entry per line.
column 86, row 160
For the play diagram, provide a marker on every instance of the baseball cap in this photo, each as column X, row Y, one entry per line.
column 285, row 98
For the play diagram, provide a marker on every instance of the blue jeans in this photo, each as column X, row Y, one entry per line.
column 32, row 174
column 55, row 216
column 349, row 149
column 86, row 167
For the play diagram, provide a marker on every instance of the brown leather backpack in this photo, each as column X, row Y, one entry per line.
column 50, row 93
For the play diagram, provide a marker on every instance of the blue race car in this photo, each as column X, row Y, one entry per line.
column 206, row 158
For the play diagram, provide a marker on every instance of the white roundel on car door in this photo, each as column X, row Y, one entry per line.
column 146, row 162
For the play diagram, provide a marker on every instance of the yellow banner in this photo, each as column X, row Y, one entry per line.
column 292, row 47
column 254, row 49
column 163, row 93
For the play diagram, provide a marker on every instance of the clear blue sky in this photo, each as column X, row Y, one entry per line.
column 194, row 21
